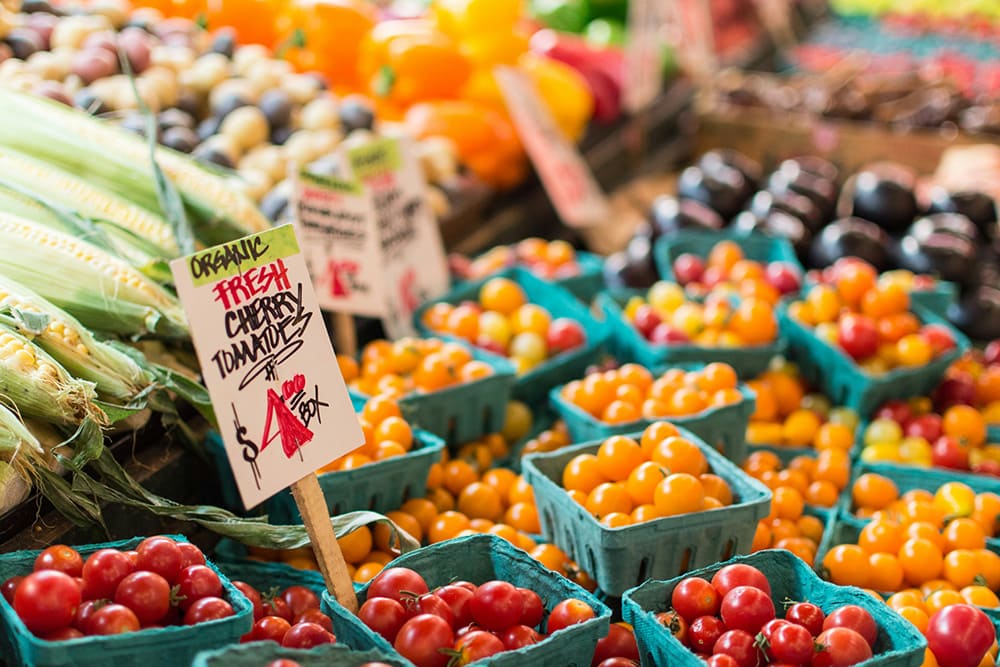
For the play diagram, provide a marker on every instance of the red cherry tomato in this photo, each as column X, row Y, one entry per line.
column 63, row 635
column 739, row 574
column 307, row 635
column 840, row 647
column 694, row 597
column 740, row 646
column 949, row 452
column 618, row 662
column 393, row 582
column 674, row 622
column 855, row 618
column 457, row 598
column 46, row 601
column 102, row 573
column 253, row 595
column 283, row 662
column 383, row 615
column 791, row 644
column 207, row 609
column 722, row 660
column 808, row 615
column 519, row 636
column 112, row 619
column 147, row 594
column 428, row 603
column 61, row 558
column 421, row 639
column 161, row 555
column 532, row 609
column 960, row 635
column 618, row 643
column 190, row 555
column 746, row 608
column 569, row 612
column 315, row 616
column 8, row 587
column 271, row 628
column 704, row 632
column 84, row 612
column 299, row 599
column 497, row 605
column 858, row 336
column 277, row 607
column 196, row 582
column 476, row 646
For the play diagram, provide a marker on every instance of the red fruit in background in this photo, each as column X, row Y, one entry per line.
column 112, row 619
column 991, row 353
column 808, row 615
column 987, row 467
column 712, row 276
column 858, row 336
column 688, row 268
column 307, row 635
column 61, row 558
column 457, row 598
column 646, row 320
column 704, row 632
column 391, row 583
column 253, row 595
column 948, row 452
column 568, row 612
column 428, row 603
column 618, row 643
column 694, row 597
column 208, row 609
column 197, row 582
column 898, row 411
column 721, row 660
column 476, row 646
column 783, row 277
column 496, row 605
column 532, row 608
column 741, row 647
column 63, row 635
column 8, row 587
column 46, row 601
column 960, row 635
column 190, row 555
column 664, row 334
column 490, row 345
column 841, row 647
column 520, row 636
column 383, row 615
column 315, row 616
column 161, row 555
column 791, row 644
column 564, row 334
column 746, row 608
column 102, row 573
column 926, row 426
column 147, row 594
column 271, row 628
column 277, row 607
column 618, row 662
column 958, row 389
column 939, row 337
column 421, row 639
column 731, row 576
column 299, row 599
column 855, row 618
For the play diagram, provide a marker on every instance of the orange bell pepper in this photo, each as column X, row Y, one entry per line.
column 409, row 60
column 326, row 36
column 485, row 140
column 564, row 91
column 253, row 20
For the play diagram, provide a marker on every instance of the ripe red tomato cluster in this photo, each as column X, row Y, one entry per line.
column 285, row 662
column 731, row 622
column 160, row 583
column 459, row 623
column 291, row 618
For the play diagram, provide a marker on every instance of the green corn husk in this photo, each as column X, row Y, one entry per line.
column 115, row 375
column 118, row 161
column 20, row 455
column 101, row 291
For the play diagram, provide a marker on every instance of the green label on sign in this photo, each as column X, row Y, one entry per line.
column 375, row 158
column 330, row 182
column 230, row 259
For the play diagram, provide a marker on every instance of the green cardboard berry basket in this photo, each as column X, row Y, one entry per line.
column 628, row 345
column 899, row 644
column 936, row 300
column 757, row 247
column 533, row 386
column 620, row 558
column 170, row 646
column 481, row 558
column 463, row 412
column 993, row 433
column 840, row 378
column 261, row 654
column 722, row 427
column 583, row 286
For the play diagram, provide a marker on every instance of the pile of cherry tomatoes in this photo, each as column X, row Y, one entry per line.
column 291, row 618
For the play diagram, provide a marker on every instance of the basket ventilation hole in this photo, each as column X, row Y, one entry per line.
column 685, row 561
column 547, row 523
column 643, row 571
column 451, row 430
column 374, row 502
column 591, row 561
column 728, row 553
column 488, row 419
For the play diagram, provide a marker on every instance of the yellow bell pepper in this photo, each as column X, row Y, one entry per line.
column 563, row 90
column 462, row 18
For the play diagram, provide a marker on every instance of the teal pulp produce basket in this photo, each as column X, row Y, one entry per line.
column 169, row 646
column 482, row 558
column 842, row 380
column 584, row 286
column 899, row 644
column 723, row 427
column 533, row 386
column 628, row 345
column 463, row 412
column 620, row 558
column 758, row 247
column 261, row 654
column 937, row 299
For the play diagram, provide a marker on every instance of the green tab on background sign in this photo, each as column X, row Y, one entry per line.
column 375, row 158
column 338, row 184
column 230, row 259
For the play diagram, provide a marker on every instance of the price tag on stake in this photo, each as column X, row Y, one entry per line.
column 567, row 179
column 270, row 369
column 644, row 40
column 412, row 257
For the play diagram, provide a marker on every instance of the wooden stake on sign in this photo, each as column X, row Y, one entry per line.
column 776, row 15
column 312, row 506
column 345, row 338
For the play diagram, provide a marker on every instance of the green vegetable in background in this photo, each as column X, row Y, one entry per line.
column 562, row 15
column 609, row 9
column 605, row 32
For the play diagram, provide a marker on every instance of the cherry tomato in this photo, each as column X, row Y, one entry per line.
column 277, row 607
column 949, row 452
column 147, row 594
column 428, row 603
column 618, row 662
column 722, row 660
column 457, row 598
column 694, row 597
column 896, row 410
column 497, row 605
column 102, row 573
column 383, row 615
column 61, row 558
column 133, row 558
column 519, row 636
column 271, row 628
column 858, row 336
column 207, row 609
column 476, row 646
column 808, row 615
column 196, row 582
column 704, row 632
column 392, row 582
column 421, row 639
column 791, row 644
column 253, row 595
column 674, row 622
column 190, row 555
column 112, row 619
column 283, row 662
column 84, row 613
column 8, row 587
column 63, row 635
column 161, row 555
column 740, row 646
column 840, row 647
column 960, row 635
column 532, row 609
column 564, row 334
column 46, row 601
column 738, row 574
column 307, row 635
column 315, row 616
column 569, row 612
column 300, row 598
column 746, row 608
column 855, row 618
column 618, row 643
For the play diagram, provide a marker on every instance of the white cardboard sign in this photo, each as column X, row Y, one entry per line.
column 267, row 360
column 567, row 179
column 412, row 258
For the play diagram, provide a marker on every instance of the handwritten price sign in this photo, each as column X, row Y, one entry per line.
column 567, row 179
column 645, row 38
column 267, row 360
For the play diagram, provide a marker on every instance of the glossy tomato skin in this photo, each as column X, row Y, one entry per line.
column 808, row 615
column 532, row 608
column 496, row 605
column 306, row 635
column 618, row 662
column 421, row 639
column 190, row 555
column 949, row 452
column 458, row 598
column 147, row 594
column 858, row 336
column 253, row 595
column 316, row 616
column 739, row 574
column 112, row 619
column 383, row 615
column 63, row 635
column 9, row 586
column 855, row 618
column 704, row 632
column 102, row 573
column 694, row 597
column 61, row 558
column 841, row 647
column 271, row 628
column 196, row 582
column 299, row 599
column 791, row 644
column 746, row 608
column 428, row 603
column 161, row 555
column 568, row 612
column 207, row 609
column 721, row 660
column 46, row 601
column 83, row 614
column 477, row 645
column 277, row 607
column 519, row 636
column 393, row 582
column 618, row 643
column 740, row 646
column 960, row 635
